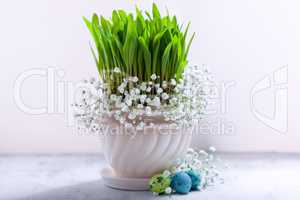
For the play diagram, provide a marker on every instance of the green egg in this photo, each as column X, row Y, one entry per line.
column 159, row 183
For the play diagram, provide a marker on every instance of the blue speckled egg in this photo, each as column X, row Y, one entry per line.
column 196, row 179
column 181, row 183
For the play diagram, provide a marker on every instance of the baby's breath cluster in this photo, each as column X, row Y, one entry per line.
column 136, row 102
column 206, row 163
column 195, row 171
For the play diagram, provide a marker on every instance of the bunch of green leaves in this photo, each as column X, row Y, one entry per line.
column 140, row 45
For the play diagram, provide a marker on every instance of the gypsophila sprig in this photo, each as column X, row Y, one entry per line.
column 140, row 45
column 179, row 102
column 203, row 168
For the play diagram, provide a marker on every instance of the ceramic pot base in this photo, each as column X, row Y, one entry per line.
column 111, row 180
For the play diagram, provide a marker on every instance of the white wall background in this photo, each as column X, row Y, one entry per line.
column 242, row 41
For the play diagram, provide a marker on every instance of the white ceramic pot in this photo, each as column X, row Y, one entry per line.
column 143, row 154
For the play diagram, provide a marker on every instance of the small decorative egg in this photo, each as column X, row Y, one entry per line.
column 196, row 179
column 159, row 183
column 181, row 183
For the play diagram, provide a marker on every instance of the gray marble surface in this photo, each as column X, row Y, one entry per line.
column 76, row 177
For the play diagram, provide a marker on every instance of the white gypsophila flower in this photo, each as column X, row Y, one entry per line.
column 202, row 152
column 129, row 102
column 122, row 120
column 125, row 109
column 176, row 89
column 117, row 117
column 137, row 91
column 135, row 79
column 159, row 90
column 118, row 100
column 166, row 173
column 120, row 105
column 132, row 92
column 143, row 86
column 148, row 100
column 132, row 115
column 126, row 93
column 140, row 106
column 212, row 149
column 113, row 97
column 121, row 89
column 173, row 100
column 153, row 77
column 125, row 81
column 156, row 102
column 118, row 112
column 148, row 110
column 148, row 89
column 164, row 96
column 117, row 70
column 173, row 82
column 143, row 98
column 128, row 125
column 164, row 84
column 168, row 190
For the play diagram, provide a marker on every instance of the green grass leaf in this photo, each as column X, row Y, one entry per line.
column 165, row 62
column 140, row 45
column 147, row 58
